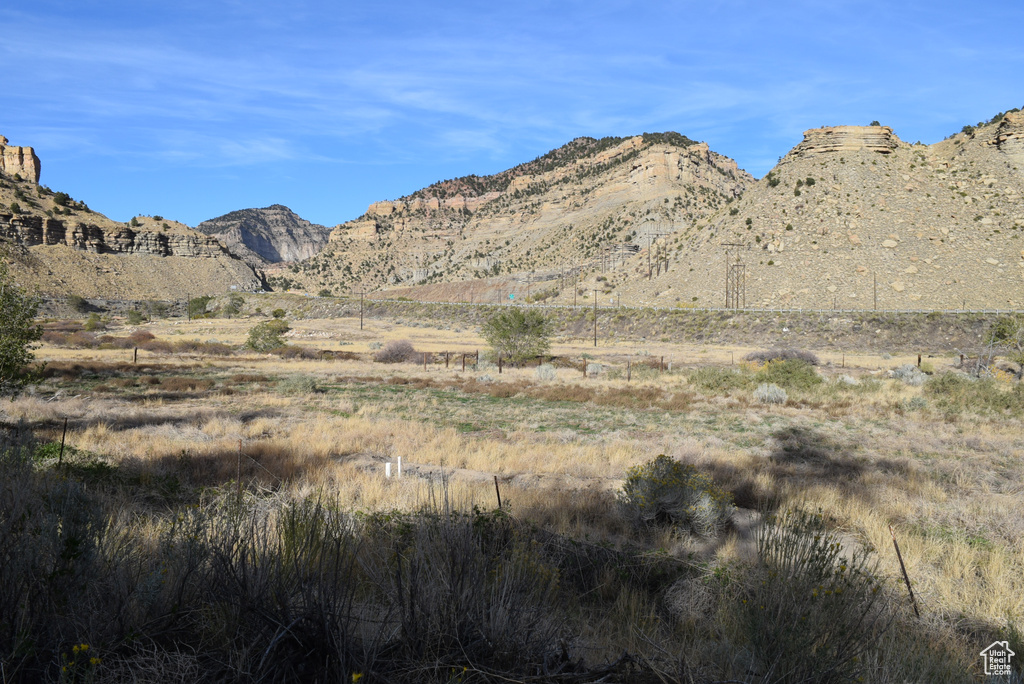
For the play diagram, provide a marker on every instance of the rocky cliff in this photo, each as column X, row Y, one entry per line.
column 589, row 201
column 32, row 231
column 829, row 140
column 267, row 236
column 60, row 247
column 19, row 161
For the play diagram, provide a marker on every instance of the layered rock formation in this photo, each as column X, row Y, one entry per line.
column 576, row 205
column 19, row 161
column 1009, row 134
column 31, row 231
column 270, row 235
column 58, row 246
column 832, row 139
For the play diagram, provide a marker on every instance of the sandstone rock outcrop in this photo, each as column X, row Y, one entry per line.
column 20, row 161
column 832, row 139
column 1009, row 134
column 31, row 231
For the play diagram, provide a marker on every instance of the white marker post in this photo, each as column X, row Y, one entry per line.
column 399, row 466
column 387, row 469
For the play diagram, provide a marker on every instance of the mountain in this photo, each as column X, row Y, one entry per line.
column 59, row 246
column 854, row 217
column 851, row 217
column 267, row 236
column 588, row 202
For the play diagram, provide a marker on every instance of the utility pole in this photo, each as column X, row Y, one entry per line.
column 651, row 237
column 188, row 306
column 874, row 286
column 575, row 283
column 595, row 317
column 361, row 293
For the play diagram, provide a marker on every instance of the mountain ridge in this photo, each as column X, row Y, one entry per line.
column 267, row 235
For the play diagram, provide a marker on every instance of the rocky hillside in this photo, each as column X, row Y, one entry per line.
column 588, row 203
column 853, row 216
column 61, row 247
column 267, row 236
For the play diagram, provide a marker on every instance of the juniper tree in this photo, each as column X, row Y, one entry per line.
column 18, row 333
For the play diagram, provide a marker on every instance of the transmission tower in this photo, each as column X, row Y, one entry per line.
column 735, row 278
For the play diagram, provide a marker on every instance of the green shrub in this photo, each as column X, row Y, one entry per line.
column 667, row 491
column 518, row 334
column 810, row 614
column 299, row 384
column 94, row 322
column 957, row 393
column 78, row 303
column 18, row 334
column 782, row 355
column 233, row 306
column 720, row 379
column 197, row 306
column 789, row 373
column 1008, row 332
column 135, row 317
column 278, row 313
column 267, row 335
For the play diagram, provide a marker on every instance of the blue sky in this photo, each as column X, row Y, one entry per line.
column 190, row 109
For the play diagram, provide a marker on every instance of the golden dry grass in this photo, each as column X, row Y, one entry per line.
column 950, row 485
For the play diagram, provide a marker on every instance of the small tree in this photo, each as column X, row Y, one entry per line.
column 197, row 306
column 518, row 334
column 1008, row 332
column 17, row 334
column 267, row 335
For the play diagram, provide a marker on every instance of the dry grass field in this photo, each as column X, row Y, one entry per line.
column 935, row 456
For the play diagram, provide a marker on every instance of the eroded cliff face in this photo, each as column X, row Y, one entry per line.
column 833, row 139
column 32, row 231
column 269, row 235
column 1009, row 135
column 20, row 161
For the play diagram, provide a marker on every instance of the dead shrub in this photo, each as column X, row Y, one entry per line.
column 82, row 340
column 576, row 393
column 158, row 346
column 398, row 351
column 783, row 355
column 291, row 351
column 140, row 337
column 182, row 384
column 640, row 397
column 56, row 338
column 249, row 377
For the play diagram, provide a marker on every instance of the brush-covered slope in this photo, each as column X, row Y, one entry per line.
column 564, row 209
column 267, row 236
column 853, row 210
column 58, row 246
